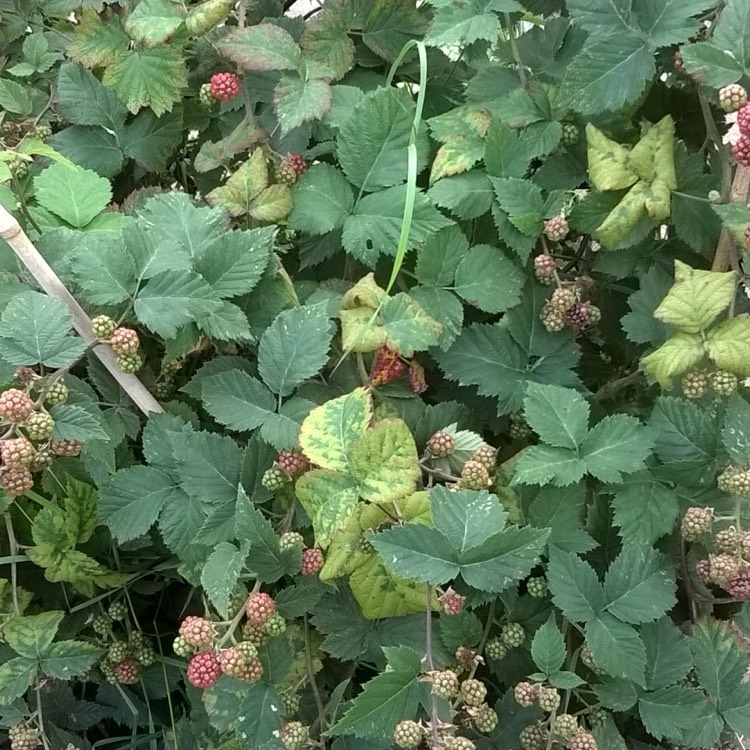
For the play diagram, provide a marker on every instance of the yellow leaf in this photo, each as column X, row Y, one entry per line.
column 623, row 217
column 674, row 357
column 728, row 345
column 609, row 165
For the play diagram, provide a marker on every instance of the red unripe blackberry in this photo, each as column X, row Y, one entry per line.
column 16, row 452
column 15, row 406
column 103, row 326
column 407, row 735
column 556, row 228
column 203, row 670
column 128, row 672
column 487, row 456
column 441, row 444
column 732, row 97
column 298, row 163
column 743, row 120
column 679, row 65
column 474, row 476
column 452, row 602
column 290, row 168
column 25, row 375
column 578, row 316
column 197, row 631
column 16, row 482
column 224, row 86
column 473, row 692
column 124, row 341
column 582, row 740
column 739, row 586
column 696, row 522
column 69, row 448
column 741, row 150
column 233, row 662
column 747, row 235
column 292, row 463
column 259, row 607
column 293, row 735
column 444, row 684
column 526, row 694
column 544, row 268
column 695, row 384
column 312, row 561
column 703, row 570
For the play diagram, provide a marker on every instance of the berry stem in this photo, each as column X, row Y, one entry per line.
column 485, row 636
column 437, row 473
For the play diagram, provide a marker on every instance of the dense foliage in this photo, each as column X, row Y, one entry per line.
column 443, row 310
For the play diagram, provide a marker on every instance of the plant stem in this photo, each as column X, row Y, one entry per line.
column 13, row 569
column 431, row 667
column 514, row 49
column 437, row 473
column 314, row 684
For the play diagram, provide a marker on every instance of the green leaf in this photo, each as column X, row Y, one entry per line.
column 83, row 100
column 16, row 675
column 468, row 195
column 575, row 588
column 92, row 148
column 486, row 279
column 668, row 657
column 617, row 445
column 639, row 324
column 684, row 432
column 616, row 647
column 735, row 434
column 733, row 30
column 543, row 464
column 76, row 423
column 386, row 698
column 237, row 400
column 259, row 716
column 464, row 24
column 130, row 502
column 15, row 98
column 322, row 198
column 644, row 511
column 65, row 660
column 326, row 40
column 329, row 499
column 384, row 462
column 31, row 635
column 153, row 22
column 522, row 201
column 298, row 100
column 34, row 329
column 670, row 22
column 608, row 74
column 209, row 466
column 294, row 348
column 235, row 263
column 561, row 510
column 170, row 300
column 96, row 44
column 330, row 432
column 696, row 298
column 669, row 711
column 372, row 143
column 104, row 271
column 558, row 415
column 180, row 521
column 440, row 256
column 150, row 140
column 238, row 194
column 151, row 78
column 548, row 648
column 75, row 195
column 220, row 575
column 261, row 47
column 466, row 518
column 407, row 326
column 710, row 64
column 728, row 345
column 390, row 24
column 639, row 587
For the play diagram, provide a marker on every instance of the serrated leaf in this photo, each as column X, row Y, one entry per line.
column 261, row 47
column 561, row 511
column 321, row 199
column 16, row 675
column 220, row 575
column 153, row 22
column 237, row 400
column 639, row 324
column 95, row 43
column 575, row 588
column 209, row 466
column 326, row 40
column 440, row 256
column 645, row 511
column 14, row 98
column 696, row 298
column 65, row 660
column 486, row 279
column 75, row 195
column 294, row 348
column 558, row 415
column 131, row 501
column 31, row 635
column 76, row 423
column 669, row 711
column 674, row 357
column 148, row 78
column 170, row 300
column 92, row 148
column 733, row 30
column 150, row 140
column 467, row 195
column 616, row 647
column 384, row 462
column 548, row 648
column 330, row 432
column 34, row 329
column 638, row 586
column 617, row 445
column 543, row 464
column 407, row 326
column 329, row 498
column 522, row 201
column 298, row 100
column 83, row 100
column 735, row 434
column 710, row 64
column 728, row 345
column 668, row 657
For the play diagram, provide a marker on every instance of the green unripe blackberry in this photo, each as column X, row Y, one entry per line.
column 526, row 693
column 181, row 647
column 117, row 611
column 101, row 624
column 696, row 522
column 24, row 737
column 42, row 132
column 588, row 659
column 473, row 692
column 474, row 476
column 537, row 587
column 293, row 735
column 487, row 456
column 248, row 650
column 38, row 426
column 570, row 134
column 291, row 540
column 42, row 459
column 163, row 389
column 519, row 428
column 513, row 635
column 205, row 96
column 695, row 384
column 129, row 363
column 444, row 684
column 275, row 625
column 460, row 743
column 57, row 393
column 255, row 634
column 103, row 326
column 495, row 649
column 485, row 719
column 274, row 479
column 723, row 382
column 118, row 651
column 549, row 699
column 532, row 738
column 290, row 701
column 735, row 480
column 553, row 320
column 565, row 725
column 109, row 670
column 596, row 716
column 727, row 540
column 407, row 735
